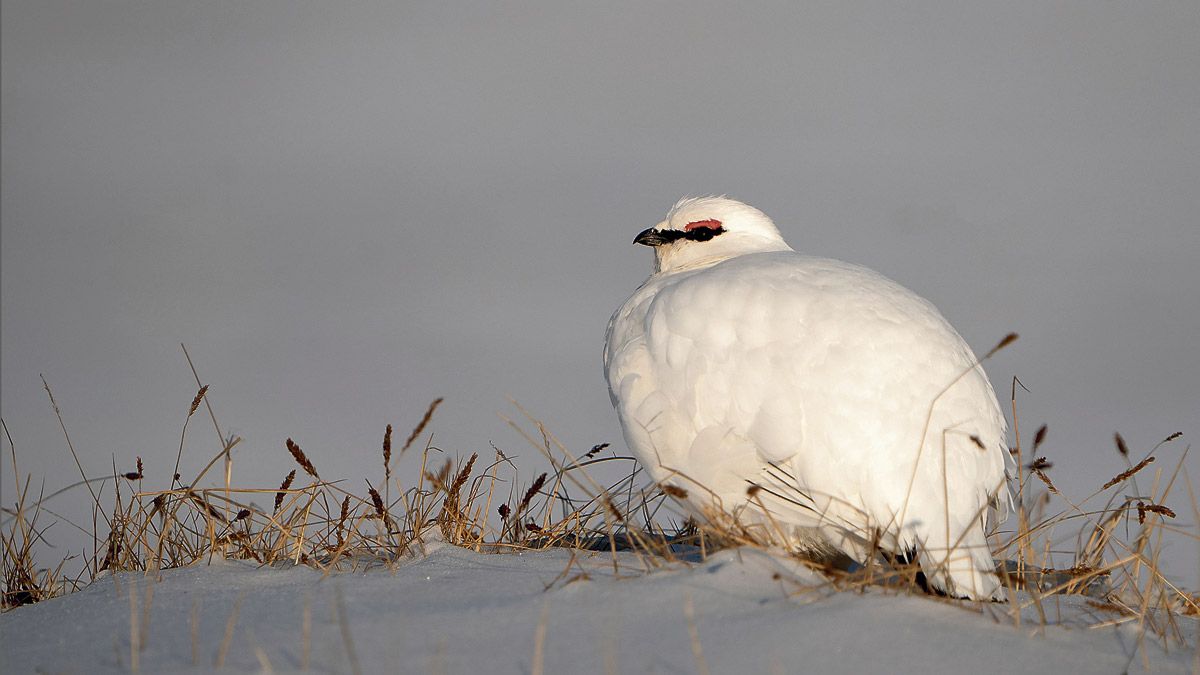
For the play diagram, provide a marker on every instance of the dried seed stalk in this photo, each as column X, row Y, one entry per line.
column 287, row 483
column 612, row 508
column 376, row 500
column 533, row 490
column 387, row 452
column 1144, row 508
column 1039, row 436
column 674, row 491
column 1006, row 341
column 342, row 520
column 135, row 475
column 196, row 401
column 302, row 459
column 440, row 479
column 463, row 474
column 1128, row 473
column 1045, row 479
column 421, row 426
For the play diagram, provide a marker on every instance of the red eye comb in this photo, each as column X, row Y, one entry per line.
column 708, row 224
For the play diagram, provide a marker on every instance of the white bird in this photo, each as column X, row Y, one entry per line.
column 860, row 414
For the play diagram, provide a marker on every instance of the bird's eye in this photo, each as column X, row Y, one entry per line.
column 706, row 224
column 702, row 230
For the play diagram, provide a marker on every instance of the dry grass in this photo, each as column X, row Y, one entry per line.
column 314, row 522
column 1110, row 552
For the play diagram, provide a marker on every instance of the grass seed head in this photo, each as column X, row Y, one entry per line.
column 533, row 490
column 1004, row 342
column 612, row 508
column 341, row 523
column 1156, row 508
column 376, row 500
column 421, row 425
column 212, row 511
column 135, row 475
column 1125, row 475
column 441, row 479
column 1045, row 479
column 1121, row 447
column 196, row 401
column 674, row 491
column 302, row 459
column 287, row 483
column 1039, row 464
column 463, row 474
column 1039, row 437
column 387, row 452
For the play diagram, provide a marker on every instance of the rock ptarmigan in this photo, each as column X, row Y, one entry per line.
column 860, row 414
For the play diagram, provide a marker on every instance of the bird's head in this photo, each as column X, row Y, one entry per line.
column 700, row 231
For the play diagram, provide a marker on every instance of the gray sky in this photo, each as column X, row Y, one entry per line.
column 347, row 209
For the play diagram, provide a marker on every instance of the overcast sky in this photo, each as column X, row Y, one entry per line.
column 347, row 209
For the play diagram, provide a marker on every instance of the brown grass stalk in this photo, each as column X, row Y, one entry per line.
column 283, row 488
column 421, row 425
column 387, row 453
column 302, row 459
column 1128, row 473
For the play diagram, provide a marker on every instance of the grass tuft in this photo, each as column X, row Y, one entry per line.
column 485, row 505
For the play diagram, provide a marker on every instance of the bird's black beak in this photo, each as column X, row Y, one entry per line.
column 651, row 237
column 656, row 237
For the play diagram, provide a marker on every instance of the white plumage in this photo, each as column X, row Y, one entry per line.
column 860, row 413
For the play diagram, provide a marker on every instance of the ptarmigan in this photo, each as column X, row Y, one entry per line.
column 860, row 414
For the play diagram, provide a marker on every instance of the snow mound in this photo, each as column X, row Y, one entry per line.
column 456, row 611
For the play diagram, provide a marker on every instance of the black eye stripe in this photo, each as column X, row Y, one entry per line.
column 703, row 233
column 697, row 234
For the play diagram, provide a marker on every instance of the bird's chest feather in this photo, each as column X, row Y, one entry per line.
column 707, row 365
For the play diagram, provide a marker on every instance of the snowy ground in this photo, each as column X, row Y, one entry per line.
column 456, row 611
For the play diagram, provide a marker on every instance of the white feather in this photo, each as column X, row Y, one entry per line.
column 847, row 398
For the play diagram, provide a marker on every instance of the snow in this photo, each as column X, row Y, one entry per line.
column 458, row 611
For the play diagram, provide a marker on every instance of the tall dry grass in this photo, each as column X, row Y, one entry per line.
column 1106, row 546
column 310, row 520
